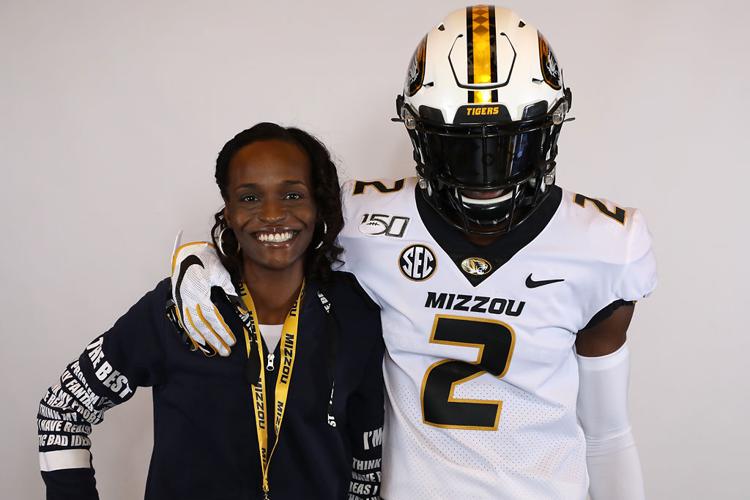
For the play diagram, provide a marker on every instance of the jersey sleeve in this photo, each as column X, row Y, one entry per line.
column 350, row 239
column 638, row 278
column 106, row 374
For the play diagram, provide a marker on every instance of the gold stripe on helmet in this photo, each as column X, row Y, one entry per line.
column 481, row 50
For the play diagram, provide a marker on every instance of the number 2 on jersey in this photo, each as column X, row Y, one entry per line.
column 495, row 341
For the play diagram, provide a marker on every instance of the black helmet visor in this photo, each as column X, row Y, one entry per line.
column 484, row 157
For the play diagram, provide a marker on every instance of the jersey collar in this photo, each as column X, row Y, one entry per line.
column 497, row 253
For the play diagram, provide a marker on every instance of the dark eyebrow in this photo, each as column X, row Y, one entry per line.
column 252, row 185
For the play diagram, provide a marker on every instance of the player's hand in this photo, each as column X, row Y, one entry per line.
column 196, row 268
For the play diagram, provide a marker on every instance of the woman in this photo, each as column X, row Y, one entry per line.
column 277, row 428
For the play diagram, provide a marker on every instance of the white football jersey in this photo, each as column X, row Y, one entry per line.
column 480, row 369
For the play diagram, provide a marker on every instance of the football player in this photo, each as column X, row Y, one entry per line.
column 504, row 298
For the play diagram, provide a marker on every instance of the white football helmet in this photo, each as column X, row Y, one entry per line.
column 484, row 101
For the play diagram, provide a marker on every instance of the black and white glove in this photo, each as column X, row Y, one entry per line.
column 196, row 269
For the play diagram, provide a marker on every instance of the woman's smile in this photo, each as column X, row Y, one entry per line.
column 276, row 237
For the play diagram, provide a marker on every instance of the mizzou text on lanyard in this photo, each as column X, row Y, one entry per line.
column 283, row 378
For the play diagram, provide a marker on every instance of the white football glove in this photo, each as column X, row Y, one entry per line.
column 196, row 268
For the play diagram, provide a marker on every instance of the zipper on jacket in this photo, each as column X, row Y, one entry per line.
column 269, row 365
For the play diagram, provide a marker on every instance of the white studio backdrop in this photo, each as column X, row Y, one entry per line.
column 112, row 113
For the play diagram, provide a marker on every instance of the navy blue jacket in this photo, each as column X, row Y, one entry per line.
column 205, row 444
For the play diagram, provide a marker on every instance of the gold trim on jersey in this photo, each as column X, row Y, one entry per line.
column 451, row 398
column 360, row 186
column 619, row 215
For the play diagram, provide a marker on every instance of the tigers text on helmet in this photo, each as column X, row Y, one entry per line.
column 483, row 103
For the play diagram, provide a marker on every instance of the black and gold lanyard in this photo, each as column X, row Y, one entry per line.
column 288, row 348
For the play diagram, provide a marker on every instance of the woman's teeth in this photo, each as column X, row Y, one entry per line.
column 275, row 237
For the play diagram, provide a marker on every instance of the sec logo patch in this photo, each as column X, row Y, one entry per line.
column 417, row 262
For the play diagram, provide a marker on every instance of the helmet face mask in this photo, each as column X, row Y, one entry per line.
column 483, row 169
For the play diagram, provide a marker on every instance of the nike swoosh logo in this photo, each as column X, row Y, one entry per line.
column 190, row 260
column 530, row 283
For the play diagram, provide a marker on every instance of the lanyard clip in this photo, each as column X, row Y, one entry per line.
column 269, row 364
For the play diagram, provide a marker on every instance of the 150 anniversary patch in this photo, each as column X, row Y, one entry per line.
column 383, row 224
